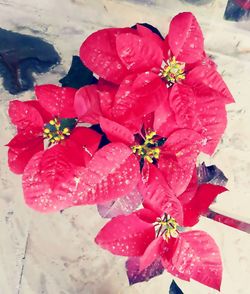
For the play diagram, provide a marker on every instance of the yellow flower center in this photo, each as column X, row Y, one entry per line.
column 149, row 150
column 57, row 130
column 166, row 227
column 173, row 71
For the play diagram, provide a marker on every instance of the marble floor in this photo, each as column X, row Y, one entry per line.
column 55, row 253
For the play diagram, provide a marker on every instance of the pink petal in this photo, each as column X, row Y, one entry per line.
column 182, row 101
column 148, row 34
column 165, row 122
column 148, row 121
column 167, row 252
column 139, row 95
column 126, row 235
column 166, row 49
column 113, row 172
column 81, row 145
column 197, row 256
column 87, row 138
column 46, row 178
column 191, row 190
column 139, row 54
column 200, row 203
column 151, row 253
column 58, row 101
column 22, row 148
column 116, row 132
column 98, row 53
column 122, row 206
column 200, row 110
column 207, row 76
column 87, row 104
column 24, row 138
column 177, row 159
column 159, row 197
column 185, row 38
column 24, row 116
column 173, row 271
column 46, row 116
column 147, row 215
column 107, row 92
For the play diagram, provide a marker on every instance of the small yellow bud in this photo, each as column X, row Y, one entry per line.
column 46, row 131
column 66, row 131
column 149, row 159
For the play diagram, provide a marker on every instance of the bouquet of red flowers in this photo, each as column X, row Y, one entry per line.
column 124, row 131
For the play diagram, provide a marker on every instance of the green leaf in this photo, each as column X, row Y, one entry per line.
column 78, row 75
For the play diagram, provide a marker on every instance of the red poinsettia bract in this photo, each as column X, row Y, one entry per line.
column 50, row 120
column 176, row 67
column 175, row 154
column 157, row 231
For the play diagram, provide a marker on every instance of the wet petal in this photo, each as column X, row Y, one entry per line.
column 87, row 104
column 197, row 256
column 151, row 253
column 191, row 190
column 113, row 172
column 58, row 101
column 165, row 122
column 24, row 116
column 200, row 111
column 167, row 252
column 81, row 145
column 159, row 197
column 116, row 132
column 207, row 76
column 22, row 148
column 147, row 215
column 177, row 159
column 98, row 53
column 139, row 54
column 139, row 95
column 126, row 235
column 144, row 31
column 46, row 116
column 185, row 38
column 46, row 180
column 200, row 203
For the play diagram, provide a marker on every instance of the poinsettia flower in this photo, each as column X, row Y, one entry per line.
column 174, row 153
column 176, row 67
column 157, row 231
column 50, row 119
column 113, row 54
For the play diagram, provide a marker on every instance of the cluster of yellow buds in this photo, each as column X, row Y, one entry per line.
column 54, row 131
column 166, row 227
column 148, row 150
column 173, row 71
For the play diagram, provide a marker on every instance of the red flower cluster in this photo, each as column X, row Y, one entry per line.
column 159, row 103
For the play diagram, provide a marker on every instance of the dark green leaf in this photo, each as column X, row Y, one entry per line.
column 78, row 76
column 174, row 289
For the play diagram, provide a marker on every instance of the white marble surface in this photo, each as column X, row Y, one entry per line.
column 55, row 253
